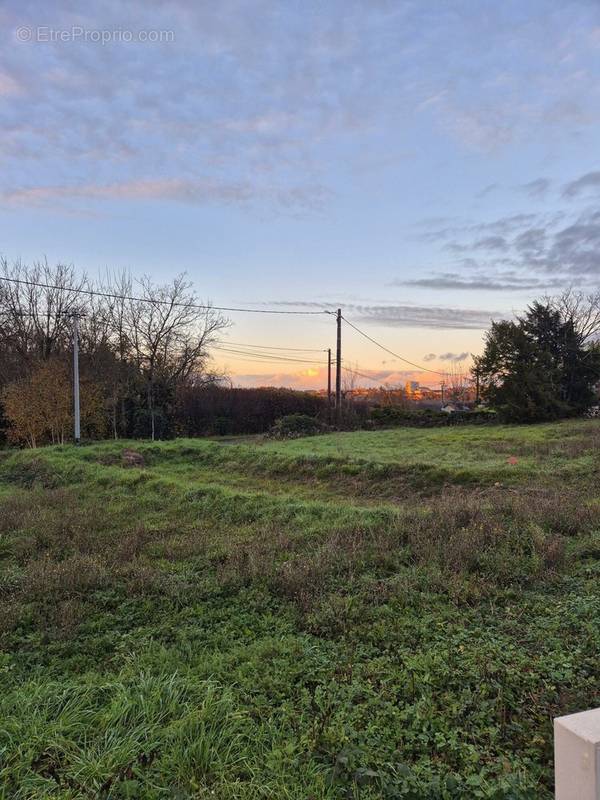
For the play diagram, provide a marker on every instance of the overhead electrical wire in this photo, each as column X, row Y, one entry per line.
column 269, row 347
column 362, row 375
column 391, row 352
column 259, row 357
column 251, row 360
column 266, row 357
column 111, row 296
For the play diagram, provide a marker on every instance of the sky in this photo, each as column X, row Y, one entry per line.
column 428, row 167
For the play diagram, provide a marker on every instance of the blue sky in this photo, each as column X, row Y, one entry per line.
column 428, row 166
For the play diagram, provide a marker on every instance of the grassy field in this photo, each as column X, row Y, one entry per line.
column 393, row 614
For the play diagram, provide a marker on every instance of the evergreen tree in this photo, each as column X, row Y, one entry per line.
column 537, row 368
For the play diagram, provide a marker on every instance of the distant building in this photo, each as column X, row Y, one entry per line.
column 449, row 408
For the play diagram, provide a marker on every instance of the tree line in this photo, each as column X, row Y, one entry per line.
column 139, row 343
column 145, row 366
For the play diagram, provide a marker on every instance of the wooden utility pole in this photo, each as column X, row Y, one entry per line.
column 338, row 367
column 329, row 383
column 442, row 385
column 476, row 371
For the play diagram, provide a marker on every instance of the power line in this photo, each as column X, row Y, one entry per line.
column 266, row 357
column 391, row 352
column 110, row 296
column 259, row 359
column 269, row 347
column 281, row 362
column 362, row 374
column 250, row 360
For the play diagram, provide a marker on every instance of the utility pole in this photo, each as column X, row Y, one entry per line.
column 338, row 367
column 76, row 410
column 442, row 385
column 329, row 383
column 477, row 386
column 476, row 371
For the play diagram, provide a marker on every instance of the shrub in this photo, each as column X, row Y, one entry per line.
column 392, row 416
column 293, row 426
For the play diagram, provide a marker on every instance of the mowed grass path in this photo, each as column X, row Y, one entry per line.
column 396, row 614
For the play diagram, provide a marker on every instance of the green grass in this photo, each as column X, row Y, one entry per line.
column 486, row 449
column 392, row 614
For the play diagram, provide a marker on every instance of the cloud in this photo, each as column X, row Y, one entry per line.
column 537, row 188
column 188, row 191
column 250, row 89
column 289, row 380
column 429, row 357
column 453, row 356
column 9, row 85
column 487, row 190
column 170, row 189
column 491, row 243
column 531, row 242
column 435, row 317
column 575, row 249
column 370, row 378
column 591, row 180
column 495, row 243
column 521, row 252
column 505, row 226
column 492, row 282
column 402, row 316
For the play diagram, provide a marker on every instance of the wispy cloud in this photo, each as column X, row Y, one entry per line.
column 404, row 316
column 526, row 251
column 317, row 378
column 487, row 190
column 446, row 357
column 583, row 184
column 491, row 282
column 189, row 191
column 537, row 188
column 454, row 356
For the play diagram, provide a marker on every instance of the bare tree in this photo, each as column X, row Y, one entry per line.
column 121, row 375
column 133, row 337
column 582, row 310
column 35, row 311
column 168, row 335
column 457, row 383
column 349, row 380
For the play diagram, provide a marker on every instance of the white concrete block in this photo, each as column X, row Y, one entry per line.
column 577, row 756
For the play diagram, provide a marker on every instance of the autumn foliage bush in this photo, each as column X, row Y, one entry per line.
column 39, row 407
